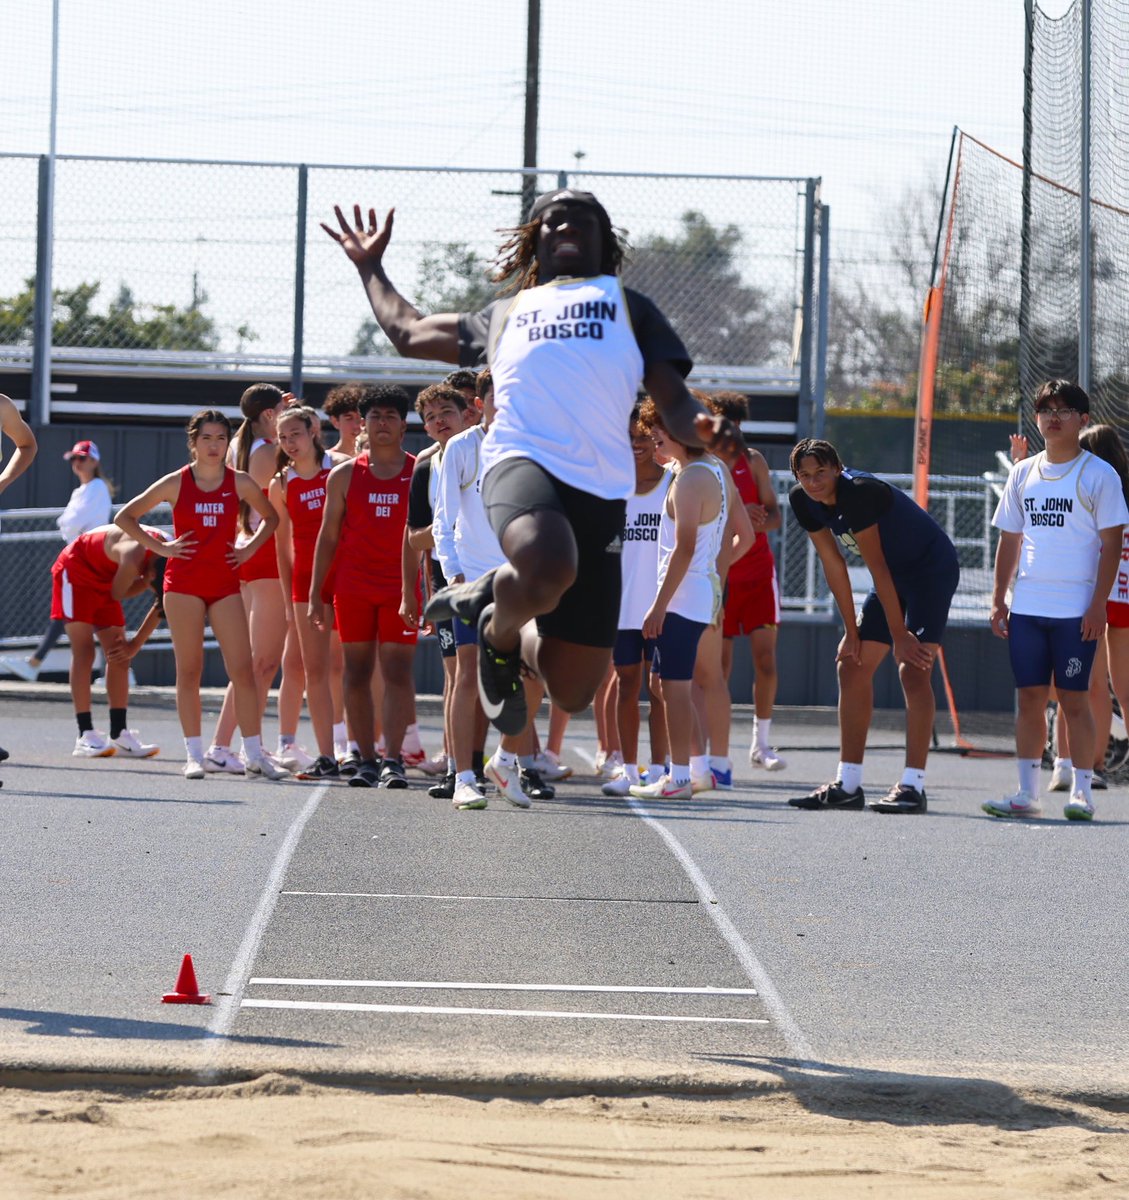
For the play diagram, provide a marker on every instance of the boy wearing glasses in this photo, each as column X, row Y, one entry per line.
column 1060, row 520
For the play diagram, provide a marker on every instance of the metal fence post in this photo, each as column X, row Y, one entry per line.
column 41, row 328
column 804, row 404
column 299, row 280
column 820, row 403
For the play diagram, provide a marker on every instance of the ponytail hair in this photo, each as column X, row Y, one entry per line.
column 255, row 401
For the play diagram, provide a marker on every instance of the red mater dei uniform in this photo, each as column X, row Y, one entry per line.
column 213, row 518
column 81, row 580
column 305, row 504
column 367, row 590
column 752, row 598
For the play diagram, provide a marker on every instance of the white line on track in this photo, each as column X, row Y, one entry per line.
column 325, row 1006
column 227, row 1008
column 439, row 985
column 798, row 1045
column 495, row 898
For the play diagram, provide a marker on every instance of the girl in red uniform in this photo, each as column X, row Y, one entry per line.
column 202, row 579
column 253, row 450
column 90, row 579
column 297, row 493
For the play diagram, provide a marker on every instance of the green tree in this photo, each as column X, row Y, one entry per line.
column 452, row 277
column 126, row 324
column 695, row 280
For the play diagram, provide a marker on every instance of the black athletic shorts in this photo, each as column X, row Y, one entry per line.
column 588, row 613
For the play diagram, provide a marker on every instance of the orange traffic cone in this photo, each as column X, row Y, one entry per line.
column 186, row 990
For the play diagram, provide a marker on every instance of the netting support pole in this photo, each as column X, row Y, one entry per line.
column 1025, row 235
column 532, row 105
column 299, row 280
column 1085, row 257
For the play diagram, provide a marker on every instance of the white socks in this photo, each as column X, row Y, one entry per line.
column 850, row 775
column 1029, row 770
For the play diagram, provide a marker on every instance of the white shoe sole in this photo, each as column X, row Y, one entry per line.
column 108, row 752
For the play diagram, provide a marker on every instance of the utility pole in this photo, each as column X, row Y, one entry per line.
column 532, row 87
column 44, row 312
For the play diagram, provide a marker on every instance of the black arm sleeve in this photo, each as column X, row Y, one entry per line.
column 657, row 340
column 420, row 515
column 474, row 332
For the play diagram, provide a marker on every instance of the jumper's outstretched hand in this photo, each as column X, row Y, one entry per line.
column 364, row 245
column 720, row 436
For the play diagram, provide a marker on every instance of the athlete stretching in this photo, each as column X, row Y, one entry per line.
column 568, row 352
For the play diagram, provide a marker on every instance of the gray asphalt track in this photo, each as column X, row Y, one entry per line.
column 722, row 941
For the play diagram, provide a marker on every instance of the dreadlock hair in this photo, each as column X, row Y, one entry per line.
column 1105, row 442
column 312, row 421
column 516, row 260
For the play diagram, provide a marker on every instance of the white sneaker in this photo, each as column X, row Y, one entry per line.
column 1062, row 777
column 294, row 758
column 508, row 782
column 550, row 767
column 701, row 783
column 1022, row 804
column 92, row 744
column 1078, row 808
column 619, row 786
column 432, row 766
column 265, row 766
column 128, row 743
column 194, row 769
column 611, row 765
column 468, row 795
column 766, row 758
column 20, row 667
column 664, row 789
column 220, row 758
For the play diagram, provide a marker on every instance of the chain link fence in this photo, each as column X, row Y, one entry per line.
column 193, row 260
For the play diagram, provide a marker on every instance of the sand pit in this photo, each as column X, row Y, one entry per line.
column 278, row 1137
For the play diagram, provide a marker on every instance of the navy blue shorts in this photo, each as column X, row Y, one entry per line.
column 925, row 600
column 465, row 635
column 631, row 647
column 1043, row 649
column 677, row 647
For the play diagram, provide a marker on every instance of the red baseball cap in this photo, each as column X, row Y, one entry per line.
column 83, row 450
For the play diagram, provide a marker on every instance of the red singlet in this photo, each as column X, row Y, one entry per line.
column 372, row 532
column 305, row 503
column 213, row 517
column 758, row 562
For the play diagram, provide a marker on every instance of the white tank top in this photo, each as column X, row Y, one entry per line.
column 698, row 596
column 567, row 369
column 253, row 518
column 640, row 557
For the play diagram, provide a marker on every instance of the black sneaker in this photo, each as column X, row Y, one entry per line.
column 323, row 767
column 445, row 788
column 461, row 601
column 901, row 798
column 3, row 754
column 499, row 682
column 392, row 774
column 347, row 768
column 831, row 795
column 482, row 783
column 367, row 775
column 534, row 786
